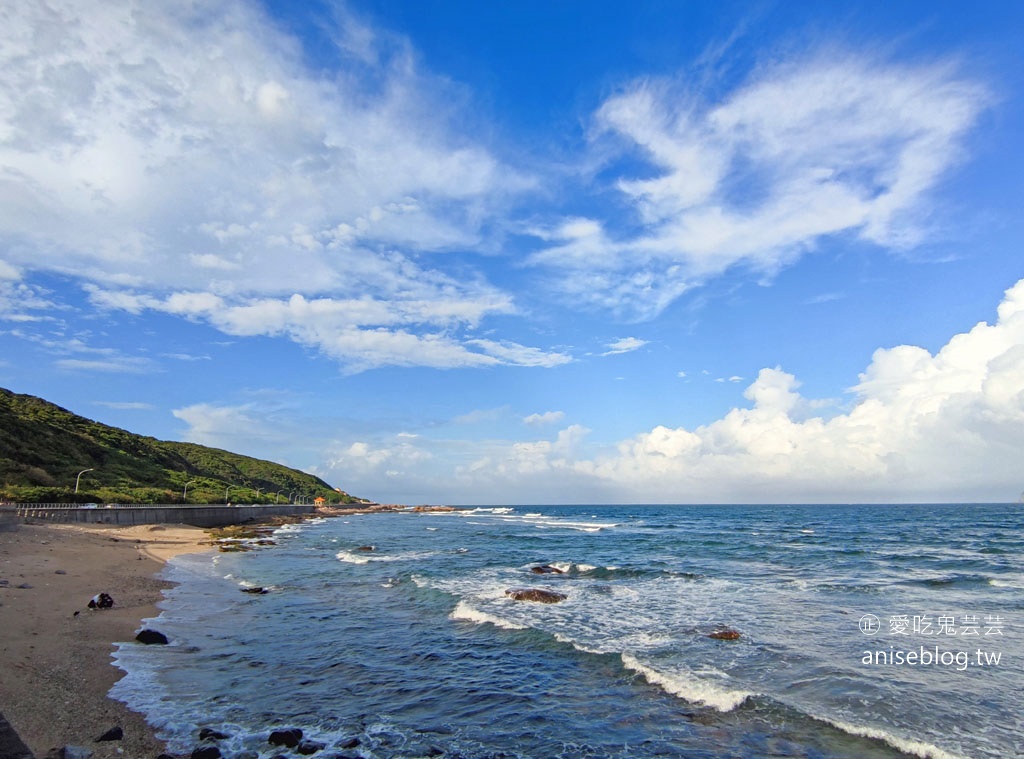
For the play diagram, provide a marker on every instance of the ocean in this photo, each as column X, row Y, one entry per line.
column 864, row 631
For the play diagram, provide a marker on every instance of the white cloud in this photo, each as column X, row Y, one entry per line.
column 548, row 417
column 361, row 332
column 230, row 427
column 185, row 357
column 186, row 153
column 800, row 151
column 480, row 416
column 921, row 427
column 918, row 427
column 126, row 405
column 112, row 365
column 624, row 345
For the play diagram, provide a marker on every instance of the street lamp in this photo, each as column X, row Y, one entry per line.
column 290, row 496
column 258, row 494
column 226, row 490
column 80, row 477
column 184, row 493
column 276, row 495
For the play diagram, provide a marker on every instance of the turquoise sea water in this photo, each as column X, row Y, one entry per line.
column 414, row 649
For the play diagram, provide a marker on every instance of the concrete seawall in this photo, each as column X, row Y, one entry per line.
column 197, row 516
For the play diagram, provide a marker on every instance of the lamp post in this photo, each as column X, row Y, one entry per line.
column 79, row 477
column 226, row 491
column 276, row 495
column 184, row 493
column 258, row 494
column 290, row 496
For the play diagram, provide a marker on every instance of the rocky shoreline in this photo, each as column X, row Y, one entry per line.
column 56, row 651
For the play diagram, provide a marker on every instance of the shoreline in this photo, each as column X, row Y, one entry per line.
column 55, row 652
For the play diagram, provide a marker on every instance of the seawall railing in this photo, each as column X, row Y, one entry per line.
column 209, row 515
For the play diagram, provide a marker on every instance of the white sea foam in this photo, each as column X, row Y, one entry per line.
column 688, row 686
column 567, row 567
column 365, row 557
column 351, row 558
column 906, row 745
column 1017, row 582
column 463, row 611
column 538, row 520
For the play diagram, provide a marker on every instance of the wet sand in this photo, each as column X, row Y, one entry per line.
column 56, row 665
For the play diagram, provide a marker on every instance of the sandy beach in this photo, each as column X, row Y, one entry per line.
column 55, row 653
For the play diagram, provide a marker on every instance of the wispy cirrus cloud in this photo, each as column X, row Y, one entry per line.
column 624, row 345
column 112, row 365
column 803, row 149
column 190, row 161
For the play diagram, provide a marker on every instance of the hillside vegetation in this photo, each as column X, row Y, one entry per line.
column 43, row 447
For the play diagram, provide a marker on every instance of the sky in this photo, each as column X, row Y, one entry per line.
column 533, row 252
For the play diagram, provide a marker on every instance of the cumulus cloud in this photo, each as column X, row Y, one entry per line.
column 186, row 158
column 923, row 426
column 548, row 417
column 920, row 427
column 801, row 150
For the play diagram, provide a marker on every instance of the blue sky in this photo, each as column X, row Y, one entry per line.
column 457, row 252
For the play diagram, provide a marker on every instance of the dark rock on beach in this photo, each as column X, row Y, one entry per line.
column 535, row 594
column 10, row 744
column 151, row 637
column 113, row 734
column 66, row 752
column 101, row 601
column 306, row 748
column 350, row 743
column 257, row 591
column 288, row 737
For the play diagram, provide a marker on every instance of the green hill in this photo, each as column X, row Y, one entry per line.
column 43, row 447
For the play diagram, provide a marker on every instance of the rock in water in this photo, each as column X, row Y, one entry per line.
column 209, row 734
column 257, row 591
column 289, row 737
column 535, row 594
column 101, row 601
column 206, row 752
column 150, row 637
column 113, row 734
column 367, row 548
column 546, row 569
column 726, row 633
column 307, row 748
